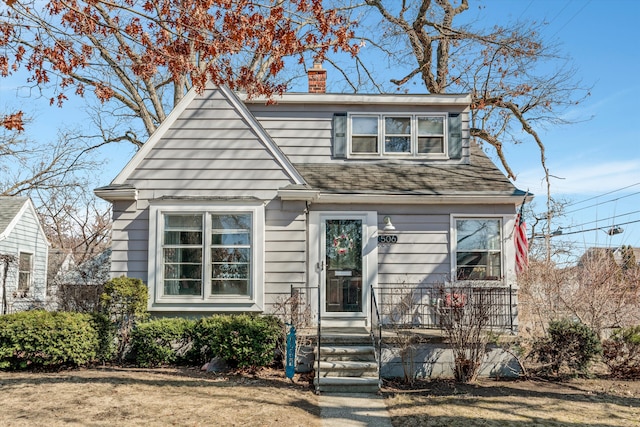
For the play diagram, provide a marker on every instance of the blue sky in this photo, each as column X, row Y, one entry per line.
column 593, row 160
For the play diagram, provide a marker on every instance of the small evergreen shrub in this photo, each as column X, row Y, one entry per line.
column 33, row 339
column 242, row 340
column 568, row 344
column 621, row 352
column 124, row 302
column 160, row 342
column 106, row 336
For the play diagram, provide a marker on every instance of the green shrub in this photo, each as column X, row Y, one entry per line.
column 47, row 339
column 160, row 341
column 243, row 341
column 124, row 301
column 568, row 344
column 621, row 352
column 106, row 336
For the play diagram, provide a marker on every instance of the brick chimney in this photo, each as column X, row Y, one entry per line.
column 317, row 78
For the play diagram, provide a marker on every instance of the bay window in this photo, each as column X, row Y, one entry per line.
column 478, row 253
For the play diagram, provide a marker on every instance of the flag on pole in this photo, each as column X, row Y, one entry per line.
column 520, row 241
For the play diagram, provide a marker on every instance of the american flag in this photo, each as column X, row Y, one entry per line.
column 520, row 240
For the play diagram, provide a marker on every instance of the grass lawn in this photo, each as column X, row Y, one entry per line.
column 189, row 397
column 578, row 402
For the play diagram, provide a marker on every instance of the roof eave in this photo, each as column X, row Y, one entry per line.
column 376, row 99
column 316, row 196
column 116, row 193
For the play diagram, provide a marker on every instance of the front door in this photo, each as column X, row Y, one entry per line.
column 343, row 265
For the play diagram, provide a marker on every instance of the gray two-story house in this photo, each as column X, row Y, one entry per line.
column 233, row 202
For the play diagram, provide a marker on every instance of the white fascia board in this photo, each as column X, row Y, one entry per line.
column 332, row 99
column 273, row 148
column 116, row 194
column 426, row 199
column 304, row 195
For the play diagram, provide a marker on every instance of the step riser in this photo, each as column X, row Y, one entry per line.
column 348, row 374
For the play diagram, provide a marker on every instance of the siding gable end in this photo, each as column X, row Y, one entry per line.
column 171, row 123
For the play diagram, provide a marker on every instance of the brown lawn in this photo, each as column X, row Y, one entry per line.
column 189, row 397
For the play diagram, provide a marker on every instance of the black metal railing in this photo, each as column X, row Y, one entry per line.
column 428, row 307
column 376, row 326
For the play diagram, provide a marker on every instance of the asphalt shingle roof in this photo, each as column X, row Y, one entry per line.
column 480, row 176
column 9, row 208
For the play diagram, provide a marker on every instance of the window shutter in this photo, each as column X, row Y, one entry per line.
column 455, row 136
column 340, row 135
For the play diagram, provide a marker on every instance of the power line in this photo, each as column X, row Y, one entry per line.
column 601, row 220
column 603, row 194
column 598, row 228
column 602, row 203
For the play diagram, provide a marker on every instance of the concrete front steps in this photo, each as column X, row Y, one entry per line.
column 346, row 362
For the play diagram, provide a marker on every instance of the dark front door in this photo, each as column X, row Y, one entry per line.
column 343, row 260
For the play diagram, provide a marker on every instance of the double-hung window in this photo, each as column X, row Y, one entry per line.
column 478, row 251
column 408, row 135
column 209, row 254
column 25, row 272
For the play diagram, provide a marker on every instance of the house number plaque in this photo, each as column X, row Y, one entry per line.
column 387, row 239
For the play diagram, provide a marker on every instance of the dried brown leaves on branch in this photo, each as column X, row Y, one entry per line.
column 145, row 55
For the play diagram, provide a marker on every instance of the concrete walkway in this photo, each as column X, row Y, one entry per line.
column 353, row 410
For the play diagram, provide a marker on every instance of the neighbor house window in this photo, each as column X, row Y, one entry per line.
column 401, row 135
column 478, row 249
column 25, row 272
column 207, row 254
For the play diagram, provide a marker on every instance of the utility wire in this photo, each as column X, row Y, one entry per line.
column 601, row 203
column 598, row 228
column 600, row 220
column 603, row 194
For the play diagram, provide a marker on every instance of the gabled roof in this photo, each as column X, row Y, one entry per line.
column 11, row 210
column 478, row 178
column 121, row 189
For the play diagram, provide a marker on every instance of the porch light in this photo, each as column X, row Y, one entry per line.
column 388, row 226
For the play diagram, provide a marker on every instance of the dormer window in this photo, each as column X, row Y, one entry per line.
column 397, row 135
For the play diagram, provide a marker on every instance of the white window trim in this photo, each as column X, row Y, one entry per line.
column 31, row 271
column 506, row 254
column 413, row 154
column 206, row 301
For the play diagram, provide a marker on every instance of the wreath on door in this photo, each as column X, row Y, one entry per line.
column 342, row 244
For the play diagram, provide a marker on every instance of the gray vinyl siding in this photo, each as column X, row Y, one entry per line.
column 27, row 237
column 210, row 150
column 304, row 132
column 285, row 250
column 422, row 253
column 129, row 241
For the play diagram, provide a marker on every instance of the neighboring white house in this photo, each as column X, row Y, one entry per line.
column 232, row 202
column 23, row 256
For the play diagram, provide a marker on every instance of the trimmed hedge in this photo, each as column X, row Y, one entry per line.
column 160, row 342
column 242, row 340
column 46, row 339
column 621, row 352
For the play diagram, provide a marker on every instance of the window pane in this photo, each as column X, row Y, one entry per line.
column 231, row 254
column 478, row 254
column 430, row 145
column 182, row 254
column 364, row 125
column 24, row 271
column 364, row 144
column 478, row 234
column 430, row 126
column 397, row 144
column 397, row 126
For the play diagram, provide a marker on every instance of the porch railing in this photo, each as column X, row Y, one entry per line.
column 427, row 307
column 376, row 327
